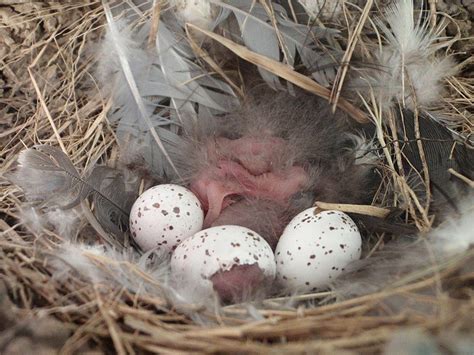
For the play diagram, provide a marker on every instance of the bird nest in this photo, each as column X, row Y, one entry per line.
column 50, row 300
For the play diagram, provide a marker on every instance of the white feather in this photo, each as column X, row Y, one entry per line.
column 456, row 234
column 364, row 149
column 72, row 259
column 410, row 71
column 32, row 218
column 65, row 223
column 197, row 12
column 102, row 264
column 322, row 8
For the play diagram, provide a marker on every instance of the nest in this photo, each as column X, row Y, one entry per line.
column 49, row 96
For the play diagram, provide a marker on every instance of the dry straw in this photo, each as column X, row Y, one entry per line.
column 49, row 96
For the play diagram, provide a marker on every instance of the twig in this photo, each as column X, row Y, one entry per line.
column 341, row 73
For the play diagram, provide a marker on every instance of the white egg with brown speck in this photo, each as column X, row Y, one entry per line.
column 165, row 215
column 233, row 261
column 315, row 248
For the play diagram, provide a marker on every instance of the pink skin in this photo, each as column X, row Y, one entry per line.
column 237, row 283
column 243, row 167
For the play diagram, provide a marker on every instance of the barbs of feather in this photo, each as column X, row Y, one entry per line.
column 267, row 30
column 73, row 259
column 365, row 149
column 410, row 71
column 146, row 274
column 456, row 234
column 66, row 223
column 442, row 151
column 121, row 53
column 157, row 91
column 49, row 179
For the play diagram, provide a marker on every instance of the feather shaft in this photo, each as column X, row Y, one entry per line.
column 133, row 87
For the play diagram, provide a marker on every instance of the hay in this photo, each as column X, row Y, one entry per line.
column 48, row 96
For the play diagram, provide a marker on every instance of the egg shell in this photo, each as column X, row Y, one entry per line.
column 215, row 250
column 165, row 215
column 314, row 249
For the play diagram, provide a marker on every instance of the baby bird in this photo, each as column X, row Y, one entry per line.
column 262, row 165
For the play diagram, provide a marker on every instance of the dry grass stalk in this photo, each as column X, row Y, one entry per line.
column 360, row 209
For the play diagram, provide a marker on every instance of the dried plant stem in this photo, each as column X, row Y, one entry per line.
column 360, row 209
column 46, row 111
column 342, row 71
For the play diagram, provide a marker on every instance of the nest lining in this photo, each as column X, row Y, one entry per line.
column 49, row 97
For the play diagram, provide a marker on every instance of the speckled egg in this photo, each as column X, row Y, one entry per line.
column 165, row 215
column 315, row 248
column 232, row 260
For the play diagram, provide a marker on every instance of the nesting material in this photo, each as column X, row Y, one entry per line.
column 121, row 87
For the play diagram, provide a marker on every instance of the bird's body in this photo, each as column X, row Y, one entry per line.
column 262, row 165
